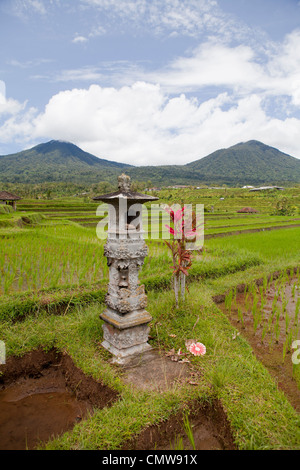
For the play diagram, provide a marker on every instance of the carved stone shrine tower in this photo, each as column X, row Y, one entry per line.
column 126, row 329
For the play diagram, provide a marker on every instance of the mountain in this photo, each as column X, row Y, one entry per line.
column 252, row 163
column 56, row 161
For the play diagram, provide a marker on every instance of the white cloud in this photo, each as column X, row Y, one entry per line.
column 18, row 127
column 82, row 74
column 79, row 39
column 38, row 6
column 169, row 17
column 97, row 31
column 28, row 63
column 284, row 68
column 238, row 69
column 2, row 89
column 24, row 8
column 212, row 64
column 9, row 105
column 142, row 125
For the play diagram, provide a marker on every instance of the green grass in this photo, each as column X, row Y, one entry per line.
column 272, row 246
column 53, row 279
column 248, row 393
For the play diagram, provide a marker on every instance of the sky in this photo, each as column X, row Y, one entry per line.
column 150, row 82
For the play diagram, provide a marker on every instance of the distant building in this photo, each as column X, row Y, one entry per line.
column 248, row 210
column 264, row 188
column 9, row 199
column 178, row 186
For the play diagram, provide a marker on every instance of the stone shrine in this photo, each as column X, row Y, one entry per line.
column 126, row 329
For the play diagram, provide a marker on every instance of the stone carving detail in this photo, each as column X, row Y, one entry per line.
column 124, row 302
column 125, row 252
column 123, row 339
column 124, row 183
column 126, row 326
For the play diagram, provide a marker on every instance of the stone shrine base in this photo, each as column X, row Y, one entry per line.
column 127, row 335
column 123, row 356
column 154, row 371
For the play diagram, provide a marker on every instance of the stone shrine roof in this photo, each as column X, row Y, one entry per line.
column 125, row 193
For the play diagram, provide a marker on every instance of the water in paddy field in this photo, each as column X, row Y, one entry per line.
column 43, row 395
column 32, row 410
column 271, row 323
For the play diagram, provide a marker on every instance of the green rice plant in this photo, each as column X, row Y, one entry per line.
column 261, row 291
column 234, row 297
column 252, row 289
column 188, row 430
column 279, row 292
column 284, row 349
column 287, row 346
column 263, row 302
column 247, row 301
column 8, row 281
column 287, row 322
column 255, row 312
column 271, row 280
column 271, row 335
column 294, row 291
column 294, row 368
column 255, row 322
column 228, row 301
column 265, row 283
column 277, row 327
column 241, row 317
column 49, row 257
column 264, row 331
column 291, row 336
column 271, row 318
column 284, row 303
column 284, row 277
column 178, row 444
column 274, row 302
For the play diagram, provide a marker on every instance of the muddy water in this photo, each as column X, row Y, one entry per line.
column 43, row 394
column 32, row 410
column 210, row 431
column 269, row 332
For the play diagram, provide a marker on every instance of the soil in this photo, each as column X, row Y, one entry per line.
column 157, row 372
column 210, row 431
column 267, row 345
column 43, row 394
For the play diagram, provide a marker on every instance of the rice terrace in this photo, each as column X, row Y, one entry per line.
column 149, row 229
column 242, row 303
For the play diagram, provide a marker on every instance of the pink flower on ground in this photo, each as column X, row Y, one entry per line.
column 198, row 349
